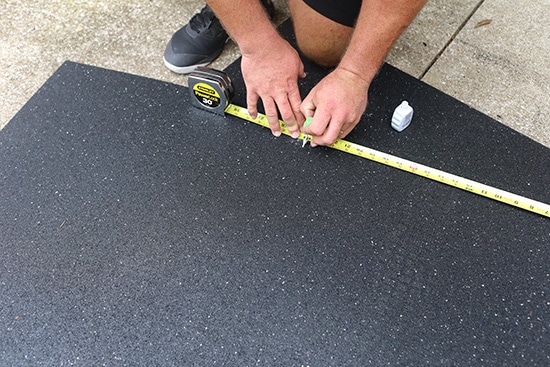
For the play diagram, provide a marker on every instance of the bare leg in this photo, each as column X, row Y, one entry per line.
column 322, row 40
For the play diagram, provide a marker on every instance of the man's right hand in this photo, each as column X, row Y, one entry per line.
column 271, row 72
column 270, row 65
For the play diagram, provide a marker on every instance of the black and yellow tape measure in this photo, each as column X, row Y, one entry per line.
column 212, row 90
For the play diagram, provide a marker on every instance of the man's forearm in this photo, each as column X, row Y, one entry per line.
column 379, row 25
column 246, row 22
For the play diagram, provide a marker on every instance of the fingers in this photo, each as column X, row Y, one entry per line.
column 287, row 105
column 325, row 127
column 308, row 107
column 326, row 130
column 252, row 103
column 295, row 101
column 323, row 130
column 277, row 89
column 272, row 116
column 289, row 108
column 319, row 127
column 333, row 132
column 302, row 73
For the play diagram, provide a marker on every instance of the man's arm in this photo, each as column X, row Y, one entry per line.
column 245, row 20
column 379, row 25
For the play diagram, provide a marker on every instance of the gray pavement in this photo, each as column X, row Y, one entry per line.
column 500, row 67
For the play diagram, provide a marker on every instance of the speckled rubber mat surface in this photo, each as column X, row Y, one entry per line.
column 138, row 230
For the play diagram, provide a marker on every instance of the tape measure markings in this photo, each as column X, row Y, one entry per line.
column 411, row 167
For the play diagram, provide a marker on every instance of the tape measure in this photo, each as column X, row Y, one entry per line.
column 207, row 82
column 210, row 89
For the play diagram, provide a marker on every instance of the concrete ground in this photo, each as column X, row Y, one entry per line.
column 490, row 54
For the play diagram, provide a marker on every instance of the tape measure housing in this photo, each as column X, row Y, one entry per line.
column 210, row 89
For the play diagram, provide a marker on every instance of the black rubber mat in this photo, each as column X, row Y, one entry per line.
column 138, row 230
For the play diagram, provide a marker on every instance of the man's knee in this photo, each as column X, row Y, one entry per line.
column 323, row 57
column 320, row 39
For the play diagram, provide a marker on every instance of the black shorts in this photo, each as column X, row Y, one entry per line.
column 341, row 11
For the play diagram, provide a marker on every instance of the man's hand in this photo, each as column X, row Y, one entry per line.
column 271, row 73
column 336, row 104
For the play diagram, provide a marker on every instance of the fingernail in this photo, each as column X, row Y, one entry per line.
column 308, row 121
column 295, row 134
column 276, row 134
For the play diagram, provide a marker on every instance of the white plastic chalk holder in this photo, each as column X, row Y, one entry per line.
column 402, row 116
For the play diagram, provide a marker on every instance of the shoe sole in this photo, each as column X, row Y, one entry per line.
column 188, row 69
column 183, row 69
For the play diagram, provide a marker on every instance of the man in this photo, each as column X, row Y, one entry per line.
column 353, row 36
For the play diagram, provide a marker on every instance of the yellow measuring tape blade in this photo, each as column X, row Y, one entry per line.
column 412, row 167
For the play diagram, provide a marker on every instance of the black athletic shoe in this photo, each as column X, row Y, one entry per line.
column 195, row 44
column 200, row 41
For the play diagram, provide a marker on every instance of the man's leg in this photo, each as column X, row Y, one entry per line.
column 321, row 39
